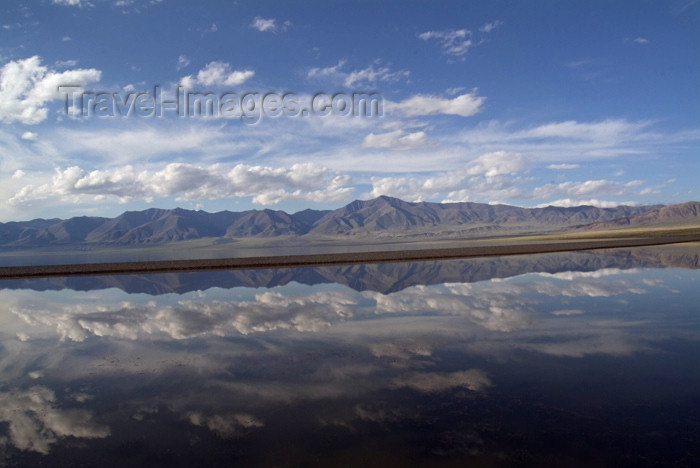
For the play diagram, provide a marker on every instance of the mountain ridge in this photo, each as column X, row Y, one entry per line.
column 382, row 217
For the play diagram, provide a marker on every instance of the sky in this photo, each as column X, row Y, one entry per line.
column 528, row 103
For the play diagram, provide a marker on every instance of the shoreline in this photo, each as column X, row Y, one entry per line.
column 308, row 260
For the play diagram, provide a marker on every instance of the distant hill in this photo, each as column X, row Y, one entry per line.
column 680, row 214
column 393, row 216
column 382, row 217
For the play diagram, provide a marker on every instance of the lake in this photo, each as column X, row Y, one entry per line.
column 565, row 359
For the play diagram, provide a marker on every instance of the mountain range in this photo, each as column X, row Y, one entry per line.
column 380, row 218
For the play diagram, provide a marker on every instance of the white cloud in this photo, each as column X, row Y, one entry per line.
column 481, row 176
column 262, row 24
column 265, row 185
column 395, row 140
column 498, row 175
column 269, row 25
column 334, row 70
column 373, row 75
column 563, row 167
column 454, row 42
column 368, row 76
column 182, row 62
column 217, row 74
column 641, row 40
column 568, row 202
column 26, row 87
column 464, row 105
column 66, row 63
column 29, row 136
column 604, row 130
column 497, row 163
column 580, row 141
column 144, row 142
column 75, row 3
column 488, row 27
column 587, row 188
column 211, row 29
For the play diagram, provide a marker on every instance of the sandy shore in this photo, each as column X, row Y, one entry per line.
column 281, row 261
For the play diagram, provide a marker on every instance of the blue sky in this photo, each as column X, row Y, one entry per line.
column 528, row 103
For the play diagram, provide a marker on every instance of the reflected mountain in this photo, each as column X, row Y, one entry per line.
column 383, row 278
column 595, row 351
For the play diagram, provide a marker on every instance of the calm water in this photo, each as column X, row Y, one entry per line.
column 579, row 359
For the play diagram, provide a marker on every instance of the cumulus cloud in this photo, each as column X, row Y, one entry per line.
column 464, row 105
column 36, row 423
column 498, row 175
column 269, row 25
column 266, row 185
column 29, row 136
column 217, row 74
column 26, row 87
column 482, row 174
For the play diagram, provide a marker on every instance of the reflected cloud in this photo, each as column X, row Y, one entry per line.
column 612, row 344
column 36, row 423
column 575, row 275
column 431, row 382
column 189, row 319
column 493, row 310
column 226, row 426
column 568, row 312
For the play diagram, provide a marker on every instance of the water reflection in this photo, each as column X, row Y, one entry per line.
column 384, row 278
column 542, row 360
